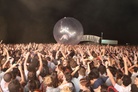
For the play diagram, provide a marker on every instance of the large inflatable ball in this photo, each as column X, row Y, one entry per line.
column 68, row 31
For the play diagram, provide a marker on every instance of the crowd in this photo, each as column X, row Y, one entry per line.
column 68, row 68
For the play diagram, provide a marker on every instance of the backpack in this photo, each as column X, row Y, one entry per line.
column 111, row 89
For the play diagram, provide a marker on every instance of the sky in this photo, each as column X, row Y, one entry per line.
column 24, row 21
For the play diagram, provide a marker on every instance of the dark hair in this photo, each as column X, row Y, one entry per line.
column 113, row 70
column 119, row 74
column 7, row 77
column 44, row 71
column 82, row 71
column 60, row 67
column 32, row 66
column 14, row 86
column 48, row 58
column 135, row 69
column 68, row 77
column 60, row 55
column 84, row 82
column 91, row 65
column 94, row 54
column 32, row 85
column 94, row 74
column 15, row 72
column 66, row 69
column 72, row 53
column 126, row 80
column 121, row 63
column 73, row 64
column 32, row 75
column 55, row 77
column 102, row 69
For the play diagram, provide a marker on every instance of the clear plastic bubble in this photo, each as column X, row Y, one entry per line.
column 68, row 31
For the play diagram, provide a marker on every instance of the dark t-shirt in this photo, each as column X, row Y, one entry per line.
column 134, row 88
column 100, row 81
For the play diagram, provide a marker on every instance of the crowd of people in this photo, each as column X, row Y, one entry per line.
column 57, row 67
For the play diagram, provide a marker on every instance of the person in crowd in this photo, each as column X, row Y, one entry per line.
column 67, row 82
column 84, row 85
column 95, row 80
column 33, row 75
column 7, row 78
column 134, row 87
column 55, row 77
column 15, row 86
column 66, row 89
column 126, row 79
column 48, row 81
column 76, row 81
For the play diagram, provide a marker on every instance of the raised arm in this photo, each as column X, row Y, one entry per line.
column 10, row 68
column 25, row 62
column 125, row 65
column 57, row 54
column 130, row 69
column 7, row 57
column 76, row 69
column 21, row 73
column 40, row 62
column 88, row 69
column 89, row 53
column 110, row 74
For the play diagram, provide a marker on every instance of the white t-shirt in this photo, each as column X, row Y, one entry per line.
column 76, row 82
column 133, row 76
column 1, row 75
column 51, row 89
column 67, row 84
column 122, row 89
column 51, row 65
column 4, row 86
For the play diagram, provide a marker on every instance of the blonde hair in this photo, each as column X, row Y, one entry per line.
column 48, row 80
column 66, row 89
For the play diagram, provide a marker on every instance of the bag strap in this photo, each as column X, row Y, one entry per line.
column 111, row 87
